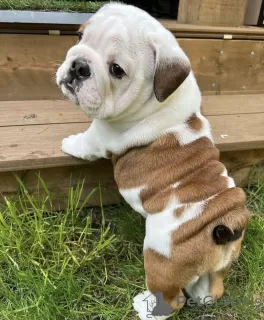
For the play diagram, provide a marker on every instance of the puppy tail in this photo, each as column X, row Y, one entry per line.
column 222, row 234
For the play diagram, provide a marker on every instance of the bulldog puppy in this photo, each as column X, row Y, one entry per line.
column 129, row 74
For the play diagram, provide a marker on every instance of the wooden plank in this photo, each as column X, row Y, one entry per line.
column 233, row 104
column 212, row 12
column 179, row 29
column 238, row 132
column 36, row 146
column 176, row 27
column 194, row 35
column 224, row 67
column 23, row 113
column 93, row 175
column 28, row 64
column 19, row 113
column 188, row 11
column 221, row 67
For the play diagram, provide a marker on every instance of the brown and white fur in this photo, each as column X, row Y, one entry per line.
column 165, row 163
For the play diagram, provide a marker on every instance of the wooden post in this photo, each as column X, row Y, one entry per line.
column 212, row 12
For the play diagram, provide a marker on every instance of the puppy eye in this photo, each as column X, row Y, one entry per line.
column 80, row 35
column 117, row 71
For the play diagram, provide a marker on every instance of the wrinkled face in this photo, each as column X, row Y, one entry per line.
column 112, row 69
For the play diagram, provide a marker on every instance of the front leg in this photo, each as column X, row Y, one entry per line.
column 83, row 145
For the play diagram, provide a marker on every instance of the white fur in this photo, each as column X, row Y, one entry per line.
column 185, row 135
column 132, row 197
column 159, row 226
column 140, row 306
column 200, row 289
column 231, row 182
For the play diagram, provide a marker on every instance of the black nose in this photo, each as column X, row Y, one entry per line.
column 80, row 69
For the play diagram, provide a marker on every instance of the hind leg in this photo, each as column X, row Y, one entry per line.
column 207, row 288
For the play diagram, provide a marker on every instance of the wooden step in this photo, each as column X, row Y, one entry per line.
column 31, row 134
column 220, row 66
column 31, row 131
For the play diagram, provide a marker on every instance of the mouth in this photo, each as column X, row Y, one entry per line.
column 69, row 85
column 69, row 90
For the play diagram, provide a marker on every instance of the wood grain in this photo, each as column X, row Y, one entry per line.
column 24, row 113
column 188, row 11
column 238, row 132
column 226, row 67
column 28, row 64
column 19, row 113
column 36, row 146
column 245, row 31
column 233, row 104
column 221, row 66
column 212, row 12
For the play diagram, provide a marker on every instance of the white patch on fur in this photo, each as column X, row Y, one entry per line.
column 176, row 184
column 231, row 182
column 132, row 197
column 200, row 289
column 159, row 226
column 141, row 307
column 193, row 281
column 185, row 135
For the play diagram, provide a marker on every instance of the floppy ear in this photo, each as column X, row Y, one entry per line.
column 172, row 68
column 222, row 234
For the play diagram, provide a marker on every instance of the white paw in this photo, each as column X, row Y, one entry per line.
column 71, row 145
column 77, row 146
column 144, row 304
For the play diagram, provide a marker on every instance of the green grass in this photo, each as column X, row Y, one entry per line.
column 87, row 264
column 51, row 5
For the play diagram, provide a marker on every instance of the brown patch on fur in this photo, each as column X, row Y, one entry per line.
column 165, row 162
column 82, row 27
column 194, row 123
column 216, row 284
column 158, row 275
column 179, row 212
column 168, row 77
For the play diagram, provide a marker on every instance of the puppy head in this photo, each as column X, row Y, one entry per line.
column 124, row 58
